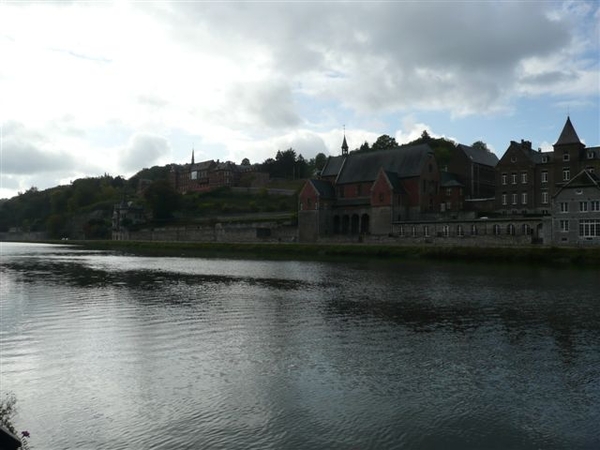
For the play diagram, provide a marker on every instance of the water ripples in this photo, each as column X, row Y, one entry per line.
column 114, row 352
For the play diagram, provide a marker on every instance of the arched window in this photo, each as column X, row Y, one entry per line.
column 496, row 229
column 510, row 229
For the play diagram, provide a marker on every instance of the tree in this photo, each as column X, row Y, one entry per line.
column 364, row 147
column 384, row 142
column 162, row 199
column 320, row 161
column 245, row 162
column 425, row 136
column 480, row 145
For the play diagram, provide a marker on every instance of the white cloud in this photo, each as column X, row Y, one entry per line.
column 246, row 79
column 144, row 150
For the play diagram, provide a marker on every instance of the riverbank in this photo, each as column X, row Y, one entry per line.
column 549, row 256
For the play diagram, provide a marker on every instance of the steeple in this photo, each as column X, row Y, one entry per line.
column 568, row 135
column 344, row 143
column 192, row 156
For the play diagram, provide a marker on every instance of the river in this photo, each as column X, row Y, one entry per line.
column 110, row 351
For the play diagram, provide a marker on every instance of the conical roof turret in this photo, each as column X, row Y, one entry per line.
column 568, row 135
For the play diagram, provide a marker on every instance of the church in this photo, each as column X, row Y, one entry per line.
column 365, row 192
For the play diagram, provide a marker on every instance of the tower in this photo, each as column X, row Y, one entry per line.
column 344, row 144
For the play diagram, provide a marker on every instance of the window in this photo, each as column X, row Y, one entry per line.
column 413, row 231
column 514, row 199
column 583, row 206
column 590, row 169
column 426, row 231
column 474, row 230
column 525, row 229
column 401, row 231
column 590, row 155
column 497, row 229
column 524, row 177
column 446, row 230
column 564, row 207
column 564, row 226
column 566, row 174
column 545, row 197
column 544, row 159
column 194, row 175
column 510, row 229
column 504, row 198
column 524, row 198
column 448, row 192
column 595, row 205
column 513, row 178
column 566, row 157
column 381, row 197
column 504, row 178
column 544, row 176
column 459, row 230
column 589, row 228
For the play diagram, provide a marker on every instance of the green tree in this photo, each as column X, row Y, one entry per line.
column 162, row 199
column 480, row 145
column 384, row 142
column 320, row 161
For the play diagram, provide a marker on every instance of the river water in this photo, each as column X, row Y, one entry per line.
column 110, row 351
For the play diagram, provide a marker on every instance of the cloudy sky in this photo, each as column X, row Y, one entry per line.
column 88, row 88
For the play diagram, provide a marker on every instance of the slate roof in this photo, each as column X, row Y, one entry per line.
column 332, row 166
column 568, row 135
column 324, row 188
column 449, row 180
column 479, row 155
column 583, row 178
column 405, row 162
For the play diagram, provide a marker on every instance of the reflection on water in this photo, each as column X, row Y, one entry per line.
column 106, row 351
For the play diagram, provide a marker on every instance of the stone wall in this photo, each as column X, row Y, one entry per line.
column 219, row 232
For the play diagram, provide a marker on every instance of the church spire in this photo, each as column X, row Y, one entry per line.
column 192, row 156
column 344, row 143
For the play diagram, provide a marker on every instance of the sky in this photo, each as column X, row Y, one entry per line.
column 93, row 88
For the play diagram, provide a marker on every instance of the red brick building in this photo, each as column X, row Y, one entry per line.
column 365, row 192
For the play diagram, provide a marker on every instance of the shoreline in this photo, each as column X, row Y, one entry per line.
column 543, row 256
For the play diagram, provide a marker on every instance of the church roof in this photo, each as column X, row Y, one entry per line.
column 332, row 166
column 568, row 135
column 405, row 162
column 324, row 188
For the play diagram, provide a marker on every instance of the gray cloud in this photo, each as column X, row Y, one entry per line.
column 144, row 150
column 266, row 104
column 22, row 152
column 457, row 56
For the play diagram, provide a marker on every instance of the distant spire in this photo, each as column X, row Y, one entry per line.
column 568, row 135
column 192, row 155
column 344, row 143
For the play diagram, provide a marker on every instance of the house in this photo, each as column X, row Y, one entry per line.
column 576, row 211
column 365, row 192
column 527, row 179
column 517, row 180
column 474, row 168
column 208, row 175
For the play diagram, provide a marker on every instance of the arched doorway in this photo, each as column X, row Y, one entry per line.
column 336, row 225
column 345, row 224
column 364, row 224
column 354, row 224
